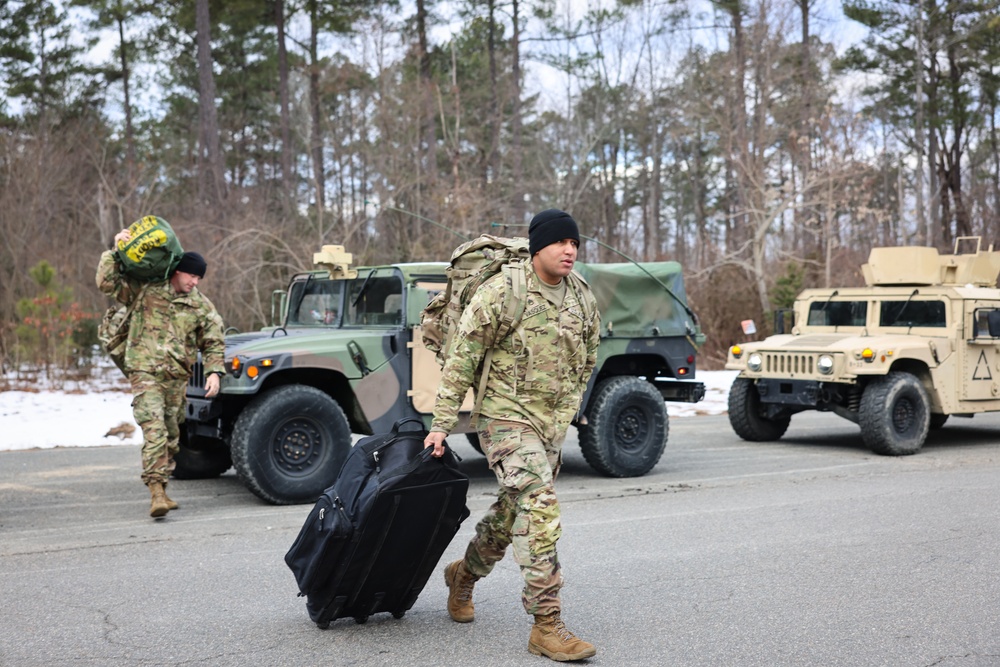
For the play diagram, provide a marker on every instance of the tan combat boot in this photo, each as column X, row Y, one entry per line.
column 171, row 504
column 551, row 638
column 459, row 581
column 158, row 500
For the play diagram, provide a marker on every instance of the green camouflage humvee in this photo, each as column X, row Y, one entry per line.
column 920, row 342
column 345, row 357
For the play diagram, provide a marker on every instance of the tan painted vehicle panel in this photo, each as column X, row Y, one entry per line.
column 918, row 343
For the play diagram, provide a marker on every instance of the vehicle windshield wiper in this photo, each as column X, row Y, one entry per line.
column 364, row 288
column 901, row 310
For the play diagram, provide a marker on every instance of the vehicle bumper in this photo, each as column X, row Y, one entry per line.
column 202, row 417
column 681, row 391
column 804, row 393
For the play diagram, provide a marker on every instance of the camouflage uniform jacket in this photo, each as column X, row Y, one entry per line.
column 168, row 329
column 539, row 371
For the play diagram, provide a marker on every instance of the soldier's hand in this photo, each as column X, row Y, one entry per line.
column 122, row 237
column 212, row 385
column 435, row 440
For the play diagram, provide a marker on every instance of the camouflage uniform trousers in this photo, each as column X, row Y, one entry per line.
column 525, row 514
column 158, row 408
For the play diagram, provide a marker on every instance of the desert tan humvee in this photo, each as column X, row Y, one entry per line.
column 918, row 343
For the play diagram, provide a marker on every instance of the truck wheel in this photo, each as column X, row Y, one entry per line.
column 627, row 427
column 894, row 415
column 201, row 458
column 937, row 421
column 746, row 417
column 289, row 444
column 473, row 438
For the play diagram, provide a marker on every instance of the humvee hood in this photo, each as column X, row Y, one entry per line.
column 278, row 342
column 822, row 341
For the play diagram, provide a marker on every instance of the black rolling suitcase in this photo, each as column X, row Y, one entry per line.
column 374, row 537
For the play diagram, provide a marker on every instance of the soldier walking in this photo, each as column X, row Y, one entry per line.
column 536, row 381
column 169, row 326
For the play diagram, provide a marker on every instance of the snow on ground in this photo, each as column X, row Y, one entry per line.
column 80, row 414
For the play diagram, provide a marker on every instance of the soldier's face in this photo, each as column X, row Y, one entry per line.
column 555, row 261
column 183, row 283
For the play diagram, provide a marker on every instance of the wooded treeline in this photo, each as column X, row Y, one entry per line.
column 728, row 135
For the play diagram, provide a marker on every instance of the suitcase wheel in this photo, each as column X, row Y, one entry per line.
column 398, row 614
column 360, row 620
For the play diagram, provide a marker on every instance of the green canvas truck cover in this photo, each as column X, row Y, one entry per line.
column 619, row 287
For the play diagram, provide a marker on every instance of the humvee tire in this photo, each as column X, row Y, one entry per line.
column 894, row 415
column 200, row 458
column 627, row 427
column 289, row 443
column 745, row 415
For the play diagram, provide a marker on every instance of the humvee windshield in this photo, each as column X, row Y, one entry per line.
column 906, row 313
column 838, row 313
column 375, row 299
column 315, row 302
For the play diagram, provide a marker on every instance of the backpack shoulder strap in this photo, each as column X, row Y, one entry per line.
column 135, row 301
column 515, row 298
column 580, row 287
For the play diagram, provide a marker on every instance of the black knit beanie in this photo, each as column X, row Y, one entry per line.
column 193, row 263
column 551, row 226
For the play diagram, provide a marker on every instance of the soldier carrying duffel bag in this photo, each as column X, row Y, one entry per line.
column 154, row 332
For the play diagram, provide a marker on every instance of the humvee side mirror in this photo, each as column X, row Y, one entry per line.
column 278, row 299
column 993, row 321
column 784, row 320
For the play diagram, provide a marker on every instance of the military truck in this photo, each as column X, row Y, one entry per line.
column 918, row 343
column 344, row 356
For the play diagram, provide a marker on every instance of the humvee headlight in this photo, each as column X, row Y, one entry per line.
column 252, row 372
column 755, row 362
column 736, row 351
column 237, row 367
column 868, row 354
column 825, row 364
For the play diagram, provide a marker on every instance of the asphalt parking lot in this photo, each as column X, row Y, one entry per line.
column 807, row 551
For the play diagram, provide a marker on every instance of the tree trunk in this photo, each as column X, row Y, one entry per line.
column 802, row 149
column 517, row 187
column 129, row 133
column 492, row 175
column 935, row 206
column 957, row 150
column 741, row 151
column 428, row 133
column 924, row 236
column 316, row 131
column 996, row 169
column 212, row 184
column 286, row 133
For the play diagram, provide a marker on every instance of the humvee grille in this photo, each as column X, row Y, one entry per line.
column 197, row 379
column 789, row 363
